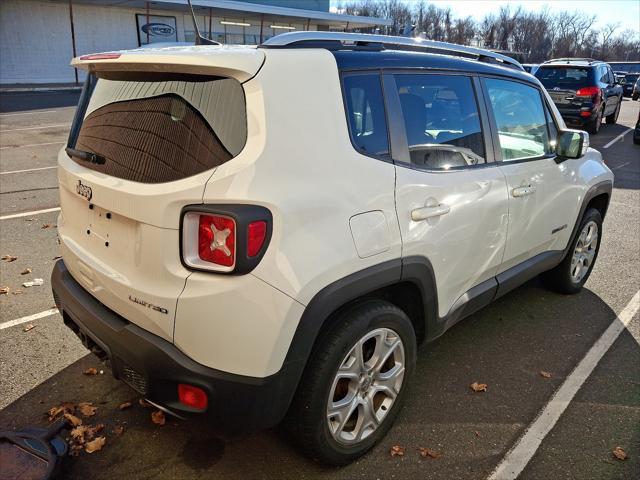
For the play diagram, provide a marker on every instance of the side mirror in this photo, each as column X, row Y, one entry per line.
column 571, row 144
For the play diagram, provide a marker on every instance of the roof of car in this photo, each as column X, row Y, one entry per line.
column 397, row 59
column 578, row 62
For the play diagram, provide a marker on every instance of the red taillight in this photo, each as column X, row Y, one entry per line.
column 193, row 397
column 217, row 240
column 587, row 92
column 100, row 56
column 256, row 233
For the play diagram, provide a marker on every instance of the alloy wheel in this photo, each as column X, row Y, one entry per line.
column 584, row 252
column 366, row 385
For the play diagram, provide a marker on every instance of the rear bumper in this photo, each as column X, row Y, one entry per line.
column 573, row 117
column 154, row 367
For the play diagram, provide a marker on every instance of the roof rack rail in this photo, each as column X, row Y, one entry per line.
column 572, row 59
column 363, row 41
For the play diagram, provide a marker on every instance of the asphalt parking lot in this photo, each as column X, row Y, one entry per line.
column 506, row 346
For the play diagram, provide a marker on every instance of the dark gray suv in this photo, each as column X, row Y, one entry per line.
column 584, row 90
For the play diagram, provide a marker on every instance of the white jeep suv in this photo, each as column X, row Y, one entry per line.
column 266, row 233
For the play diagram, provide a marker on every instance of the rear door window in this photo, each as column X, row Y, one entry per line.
column 366, row 114
column 520, row 119
column 441, row 120
column 155, row 131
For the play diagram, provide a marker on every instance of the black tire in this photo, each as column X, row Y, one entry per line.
column 593, row 127
column 560, row 278
column 613, row 118
column 307, row 421
column 635, row 96
column 636, row 139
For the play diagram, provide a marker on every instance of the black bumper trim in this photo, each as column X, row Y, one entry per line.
column 237, row 401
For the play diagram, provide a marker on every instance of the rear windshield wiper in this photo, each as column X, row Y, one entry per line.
column 86, row 156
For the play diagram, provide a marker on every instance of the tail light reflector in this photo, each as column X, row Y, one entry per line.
column 256, row 233
column 193, row 397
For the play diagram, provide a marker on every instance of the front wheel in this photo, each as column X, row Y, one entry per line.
column 613, row 118
column 570, row 275
column 354, row 384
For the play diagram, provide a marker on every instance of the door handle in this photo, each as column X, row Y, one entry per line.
column 424, row 213
column 523, row 191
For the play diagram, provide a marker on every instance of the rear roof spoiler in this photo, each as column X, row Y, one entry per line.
column 362, row 41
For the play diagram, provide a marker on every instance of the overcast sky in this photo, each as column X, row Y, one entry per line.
column 625, row 12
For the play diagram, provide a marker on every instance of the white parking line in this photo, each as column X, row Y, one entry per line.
column 519, row 456
column 27, row 170
column 617, row 138
column 28, row 214
column 41, row 127
column 26, row 113
column 31, row 145
column 29, row 318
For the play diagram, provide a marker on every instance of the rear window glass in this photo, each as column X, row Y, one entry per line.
column 564, row 77
column 161, row 131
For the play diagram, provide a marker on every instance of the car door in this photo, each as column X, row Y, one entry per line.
column 543, row 194
column 451, row 199
column 610, row 90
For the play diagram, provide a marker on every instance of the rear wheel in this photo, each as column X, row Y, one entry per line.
column 593, row 126
column 613, row 118
column 573, row 272
column 354, row 384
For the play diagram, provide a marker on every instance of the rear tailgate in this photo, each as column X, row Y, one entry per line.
column 160, row 121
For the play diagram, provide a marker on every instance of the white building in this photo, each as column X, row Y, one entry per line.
column 38, row 38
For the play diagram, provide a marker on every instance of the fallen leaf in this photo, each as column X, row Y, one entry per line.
column 65, row 407
column 95, row 445
column 26, row 271
column 57, row 257
column 94, row 429
column 478, row 387
column 48, row 225
column 87, row 409
column 143, row 403
column 73, row 420
column 78, row 433
column 30, row 326
column 90, row 371
column 477, row 433
column 4, row 290
column 427, row 452
column 16, row 292
column 9, row 258
column 75, row 450
column 157, row 417
column 545, row 374
column 124, row 406
column 619, row 453
column 397, row 451
column 119, row 430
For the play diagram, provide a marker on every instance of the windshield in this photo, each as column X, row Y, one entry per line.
column 630, row 78
column 570, row 77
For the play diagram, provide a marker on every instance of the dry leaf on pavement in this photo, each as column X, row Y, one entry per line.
column 124, row 406
column 65, row 407
column 397, row 451
column 57, row 257
column 87, row 409
column 90, row 371
column 78, row 433
column 9, row 258
column 48, row 225
column 427, row 452
column 16, row 292
column 73, row 420
column 26, row 271
column 478, row 387
column 30, row 326
column 619, row 453
column 4, row 290
column 95, row 445
column 545, row 374
column 118, row 430
column 158, row 417
column 94, row 429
